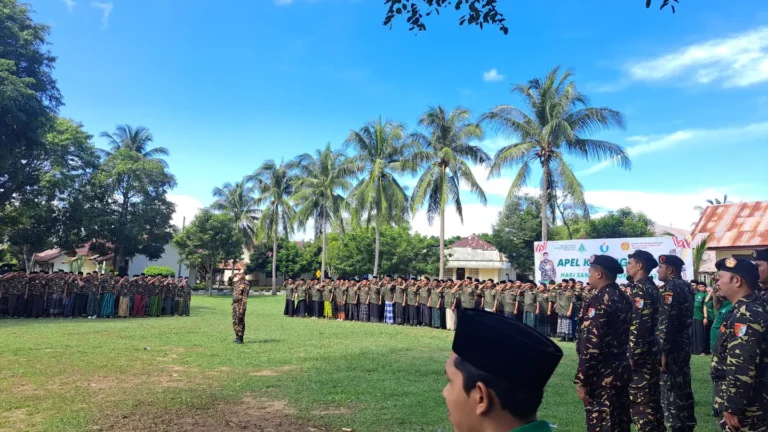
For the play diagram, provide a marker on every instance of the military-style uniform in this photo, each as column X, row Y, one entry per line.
column 604, row 370
column 645, row 389
column 239, row 303
column 674, row 338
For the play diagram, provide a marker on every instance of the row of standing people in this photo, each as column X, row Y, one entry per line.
column 70, row 295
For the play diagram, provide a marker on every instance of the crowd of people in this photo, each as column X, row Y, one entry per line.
column 554, row 309
column 93, row 295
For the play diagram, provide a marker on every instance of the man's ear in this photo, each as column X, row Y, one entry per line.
column 482, row 398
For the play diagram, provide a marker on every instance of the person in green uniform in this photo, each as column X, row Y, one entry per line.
column 399, row 301
column 698, row 336
column 491, row 387
column 340, row 298
column 542, row 310
column 352, row 311
column 489, row 296
column 709, row 315
column 450, row 294
column 529, row 305
column 375, row 300
column 300, row 298
column 508, row 299
column 289, row 306
column 467, row 296
column 564, row 302
column 364, row 300
column 412, row 302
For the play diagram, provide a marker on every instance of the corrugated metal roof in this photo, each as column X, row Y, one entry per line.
column 473, row 242
column 739, row 225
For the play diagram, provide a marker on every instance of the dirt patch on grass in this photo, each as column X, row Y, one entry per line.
column 18, row 419
column 249, row 414
column 272, row 372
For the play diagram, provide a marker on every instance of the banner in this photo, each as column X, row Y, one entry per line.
column 566, row 259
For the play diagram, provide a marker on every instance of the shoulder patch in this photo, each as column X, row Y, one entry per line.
column 639, row 303
column 667, row 298
column 740, row 329
column 591, row 312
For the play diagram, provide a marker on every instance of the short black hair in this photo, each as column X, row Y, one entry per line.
column 520, row 402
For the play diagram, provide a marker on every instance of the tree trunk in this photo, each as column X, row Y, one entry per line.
column 274, row 265
column 376, row 252
column 209, row 282
column 544, row 199
column 442, row 243
column 322, row 257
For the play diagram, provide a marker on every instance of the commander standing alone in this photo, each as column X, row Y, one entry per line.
column 240, row 290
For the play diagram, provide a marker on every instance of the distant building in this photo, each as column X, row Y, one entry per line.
column 733, row 230
column 476, row 258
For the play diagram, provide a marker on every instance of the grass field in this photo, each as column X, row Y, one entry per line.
column 83, row 375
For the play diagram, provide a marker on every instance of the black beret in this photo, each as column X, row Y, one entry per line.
column 477, row 280
column 645, row 257
column 744, row 268
column 760, row 255
column 526, row 359
column 672, row 260
column 565, row 280
column 607, row 263
column 572, row 280
column 551, row 282
column 490, row 280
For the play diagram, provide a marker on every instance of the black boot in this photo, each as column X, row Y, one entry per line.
column 239, row 340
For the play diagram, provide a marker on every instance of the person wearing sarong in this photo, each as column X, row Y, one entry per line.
column 340, row 299
column 125, row 291
column 564, row 301
column 158, row 295
column 81, row 297
column 35, row 295
column 91, row 287
column 327, row 294
column 434, row 303
column 375, row 300
column 364, row 301
column 387, row 295
column 300, row 297
column 529, row 305
column 53, row 294
column 289, row 305
column 168, row 296
column 352, row 301
column 187, row 304
column 543, row 309
column 314, row 295
column 107, row 289
column 179, row 295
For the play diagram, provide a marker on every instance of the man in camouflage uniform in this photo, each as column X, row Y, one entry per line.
column 740, row 360
column 645, row 389
column 674, row 339
column 239, row 303
column 603, row 375
column 761, row 261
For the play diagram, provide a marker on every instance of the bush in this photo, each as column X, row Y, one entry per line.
column 159, row 271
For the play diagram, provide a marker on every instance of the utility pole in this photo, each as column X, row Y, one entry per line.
column 183, row 224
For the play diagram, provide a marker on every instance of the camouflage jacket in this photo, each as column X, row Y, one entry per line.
column 675, row 316
column 740, row 360
column 605, row 330
column 240, row 292
column 645, row 319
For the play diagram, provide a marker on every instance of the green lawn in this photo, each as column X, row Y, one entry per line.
column 79, row 375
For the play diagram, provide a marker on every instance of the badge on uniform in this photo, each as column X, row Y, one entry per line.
column 591, row 312
column 722, row 328
column 639, row 303
column 668, row 298
column 740, row 329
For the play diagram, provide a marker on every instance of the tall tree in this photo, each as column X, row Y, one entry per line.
column 320, row 181
column 380, row 154
column 136, row 139
column 126, row 205
column 620, row 223
column 711, row 202
column 274, row 184
column 29, row 98
column 208, row 241
column 559, row 123
column 516, row 230
column 445, row 152
column 239, row 201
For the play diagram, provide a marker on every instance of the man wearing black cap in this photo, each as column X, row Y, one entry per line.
column 496, row 387
column 674, row 339
column 603, row 375
column 740, row 360
column 761, row 261
column 644, row 391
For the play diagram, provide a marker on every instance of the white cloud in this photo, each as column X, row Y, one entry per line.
column 492, row 75
column 106, row 11
column 70, row 5
column 652, row 144
column 477, row 219
column 186, row 207
column 740, row 60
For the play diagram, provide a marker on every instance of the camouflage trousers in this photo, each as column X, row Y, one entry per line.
column 750, row 424
column 238, row 318
column 676, row 391
column 609, row 410
column 645, row 396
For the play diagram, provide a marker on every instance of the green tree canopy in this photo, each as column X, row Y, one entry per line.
column 518, row 227
column 239, row 201
column 136, row 139
column 208, row 241
column 620, row 223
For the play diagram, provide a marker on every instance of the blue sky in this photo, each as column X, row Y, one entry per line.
column 226, row 85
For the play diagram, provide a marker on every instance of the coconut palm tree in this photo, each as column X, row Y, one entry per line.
column 559, row 124
column 274, row 185
column 239, row 201
column 445, row 152
column 135, row 139
column 699, row 251
column 381, row 152
column 711, row 202
column 320, row 180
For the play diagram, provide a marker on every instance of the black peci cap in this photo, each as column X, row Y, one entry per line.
column 760, row 255
column 607, row 263
column 527, row 358
column 745, row 269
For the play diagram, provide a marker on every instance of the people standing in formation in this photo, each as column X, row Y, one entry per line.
column 69, row 295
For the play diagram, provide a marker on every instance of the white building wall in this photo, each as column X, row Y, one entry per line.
column 170, row 258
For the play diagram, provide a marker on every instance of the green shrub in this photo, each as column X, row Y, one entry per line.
column 159, row 271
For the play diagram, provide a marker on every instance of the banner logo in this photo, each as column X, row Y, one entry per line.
column 681, row 242
column 625, row 246
column 604, row 248
column 582, row 248
column 541, row 247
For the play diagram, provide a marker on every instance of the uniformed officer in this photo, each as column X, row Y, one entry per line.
column 761, row 260
column 740, row 360
column 674, row 339
column 644, row 390
column 497, row 387
column 603, row 375
column 239, row 303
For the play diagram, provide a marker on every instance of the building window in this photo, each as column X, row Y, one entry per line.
column 473, row 273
